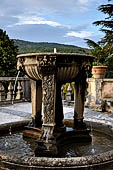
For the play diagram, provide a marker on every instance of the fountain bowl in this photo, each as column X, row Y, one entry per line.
column 66, row 65
column 97, row 161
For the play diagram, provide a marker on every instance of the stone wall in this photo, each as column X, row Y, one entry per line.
column 100, row 94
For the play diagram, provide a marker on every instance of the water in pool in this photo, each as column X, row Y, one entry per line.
column 16, row 144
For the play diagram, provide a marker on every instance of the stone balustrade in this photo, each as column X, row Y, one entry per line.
column 8, row 86
column 100, row 92
column 23, row 90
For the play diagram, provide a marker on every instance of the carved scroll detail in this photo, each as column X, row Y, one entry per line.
column 48, row 85
column 46, row 64
column 46, row 60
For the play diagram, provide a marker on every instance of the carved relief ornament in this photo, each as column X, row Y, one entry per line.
column 46, row 64
column 20, row 64
column 86, row 65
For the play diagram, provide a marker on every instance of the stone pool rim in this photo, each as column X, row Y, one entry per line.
column 91, row 161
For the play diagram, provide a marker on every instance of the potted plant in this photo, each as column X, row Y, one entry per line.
column 101, row 54
column 99, row 71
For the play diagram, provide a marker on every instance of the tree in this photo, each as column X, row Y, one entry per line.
column 8, row 53
column 107, row 24
column 100, row 52
column 103, row 49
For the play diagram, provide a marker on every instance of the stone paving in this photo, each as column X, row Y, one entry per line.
column 22, row 111
column 15, row 112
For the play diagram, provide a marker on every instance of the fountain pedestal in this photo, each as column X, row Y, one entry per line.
column 50, row 71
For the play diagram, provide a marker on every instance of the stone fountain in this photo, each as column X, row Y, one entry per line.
column 50, row 71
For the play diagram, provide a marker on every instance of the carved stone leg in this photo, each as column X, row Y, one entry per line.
column 79, row 97
column 36, row 95
column 47, row 143
column 59, row 110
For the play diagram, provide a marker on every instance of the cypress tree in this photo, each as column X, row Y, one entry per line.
column 8, row 53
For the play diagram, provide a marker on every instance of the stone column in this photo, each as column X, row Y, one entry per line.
column 49, row 94
column 2, row 93
column 59, row 109
column 79, row 94
column 10, row 91
column 47, row 142
column 19, row 91
column 79, row 98
column 36, row 96
column 47, row 71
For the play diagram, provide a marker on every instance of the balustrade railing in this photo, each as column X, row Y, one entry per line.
column 22, row 90
column 97, row 89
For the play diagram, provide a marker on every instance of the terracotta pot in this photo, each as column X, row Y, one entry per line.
column 99, row 71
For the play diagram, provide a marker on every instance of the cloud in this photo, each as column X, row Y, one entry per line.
column 81, row 34
column 52, row 12
column 33, row 20
column 44, row 7
column 48, row 20
column 51, row 23
column 84, row 4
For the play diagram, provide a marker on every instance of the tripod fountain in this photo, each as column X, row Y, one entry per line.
column 50, row 71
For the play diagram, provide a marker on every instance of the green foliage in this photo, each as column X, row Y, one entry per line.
column 107, row 23
column 8, row 52
column 32, row 47
column 65, row 87
column 103, row 50
column 109, row 63
column 100, row 52
column 91, row 43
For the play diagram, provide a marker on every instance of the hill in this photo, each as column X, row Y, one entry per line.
column 29, row 47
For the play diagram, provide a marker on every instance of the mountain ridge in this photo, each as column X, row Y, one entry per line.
column 29, row 47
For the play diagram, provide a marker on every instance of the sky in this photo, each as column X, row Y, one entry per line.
column 60, row 21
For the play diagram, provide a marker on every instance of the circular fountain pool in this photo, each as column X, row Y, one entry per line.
column 17, row 152
column 16, row 144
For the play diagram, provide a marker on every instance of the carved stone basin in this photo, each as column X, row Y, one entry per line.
column 65, row 65
column 49, row 71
